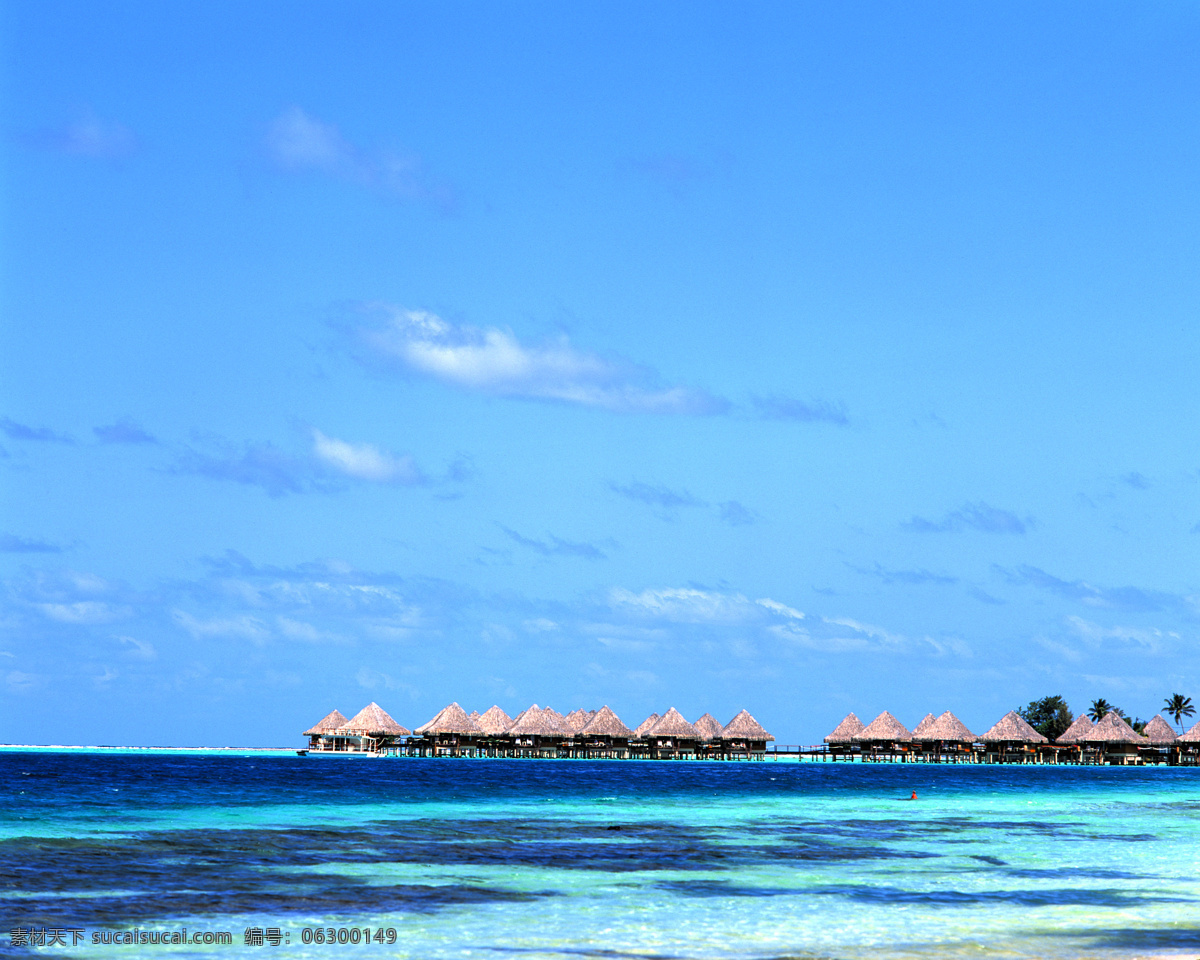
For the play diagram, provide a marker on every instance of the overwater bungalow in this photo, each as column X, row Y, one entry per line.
column 371, row 730
column 450, row 733
column 576, row 720
column 604, row 736
column 323, row 728
column 672, row 736
column 843, row 740
column 709, row 729
column 743, row 736
column 1187, row 746
column 885, row 738
column 944, row 740
column 538, row 732
column 644, row 727
column 1160, row 739
column 1011, row 740
column 493, row 721
column 927, row 721
column 1112, row 740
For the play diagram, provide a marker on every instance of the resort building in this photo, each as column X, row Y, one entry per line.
column 541, row 732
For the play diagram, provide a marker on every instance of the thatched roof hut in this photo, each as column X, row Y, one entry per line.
column 451, row 720
column 1080, row 727
column 494, row 721
column 1192, row 736
column 327, row 725
column 847, row 730
column 947, row 729
column 1112, row 728
column 538, row 722
column 373, row 721
column 673, row 724
column 1012, row 728
column 885, row 728
column 474, row 715
column 708, row 727
column 606, row 724
column 744, row 727
column 643, row 728
column 576, row 720
column 1159, row 731
column 927, row 721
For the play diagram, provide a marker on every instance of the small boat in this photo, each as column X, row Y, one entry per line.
column 302, row 753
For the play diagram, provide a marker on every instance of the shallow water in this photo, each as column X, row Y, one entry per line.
column 561, row 859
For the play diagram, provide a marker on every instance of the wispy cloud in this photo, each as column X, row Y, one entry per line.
column 494, row 361
column 973, row 516
column 1136, row 480
column 89, row 136
column 324, row 469
column 1138, row 639
column 298, row 141
column 735, row 514
column 1117, row 598
column 984, row 597
column 11, row 543
column 556, row 547
column 909, row 577
column 777, row 407
column 123, row 431
column 20, row 431
column 364, row 461
column 253, row 464
column 656, row 495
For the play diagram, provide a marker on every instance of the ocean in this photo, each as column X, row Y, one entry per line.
column 104, row 853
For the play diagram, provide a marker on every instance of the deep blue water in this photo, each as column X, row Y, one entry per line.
column 576, row 858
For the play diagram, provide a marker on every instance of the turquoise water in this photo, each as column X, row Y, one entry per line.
column 556, row 859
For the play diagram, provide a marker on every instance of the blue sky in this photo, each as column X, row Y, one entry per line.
column 803, row 358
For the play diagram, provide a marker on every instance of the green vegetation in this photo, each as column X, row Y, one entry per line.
column 1178, row 706
column 1049, row 716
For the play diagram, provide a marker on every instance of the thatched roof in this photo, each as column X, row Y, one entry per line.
column 885, row 727
column 606, row 724
column 474, row 715
column 1112, row 728
column 328, row 725
column 673, row 724
column 709, row 727
column 948, row 729
column 744, row 727
column 1192, row 736
column 372, row 720
column 1012, row 728
column 576, row 720
column 451, row 719
column 927, row 721
column 494, row 721
column 1078, row 730
column 847, row 730
column 538, row 722
column 642, row 728
column 556, row 716
column 1159, row 731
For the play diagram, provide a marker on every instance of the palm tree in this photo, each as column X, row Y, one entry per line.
column 1178, row 706
column 1099, row 710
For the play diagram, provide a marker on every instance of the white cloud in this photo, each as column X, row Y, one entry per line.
column 1149, row 640
column 84, row 611
column 140, row 649
column 297, row 141
column 685, row 604
column 243, row 627
column 494, row 361
column 781, row 608
column 364, row 461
